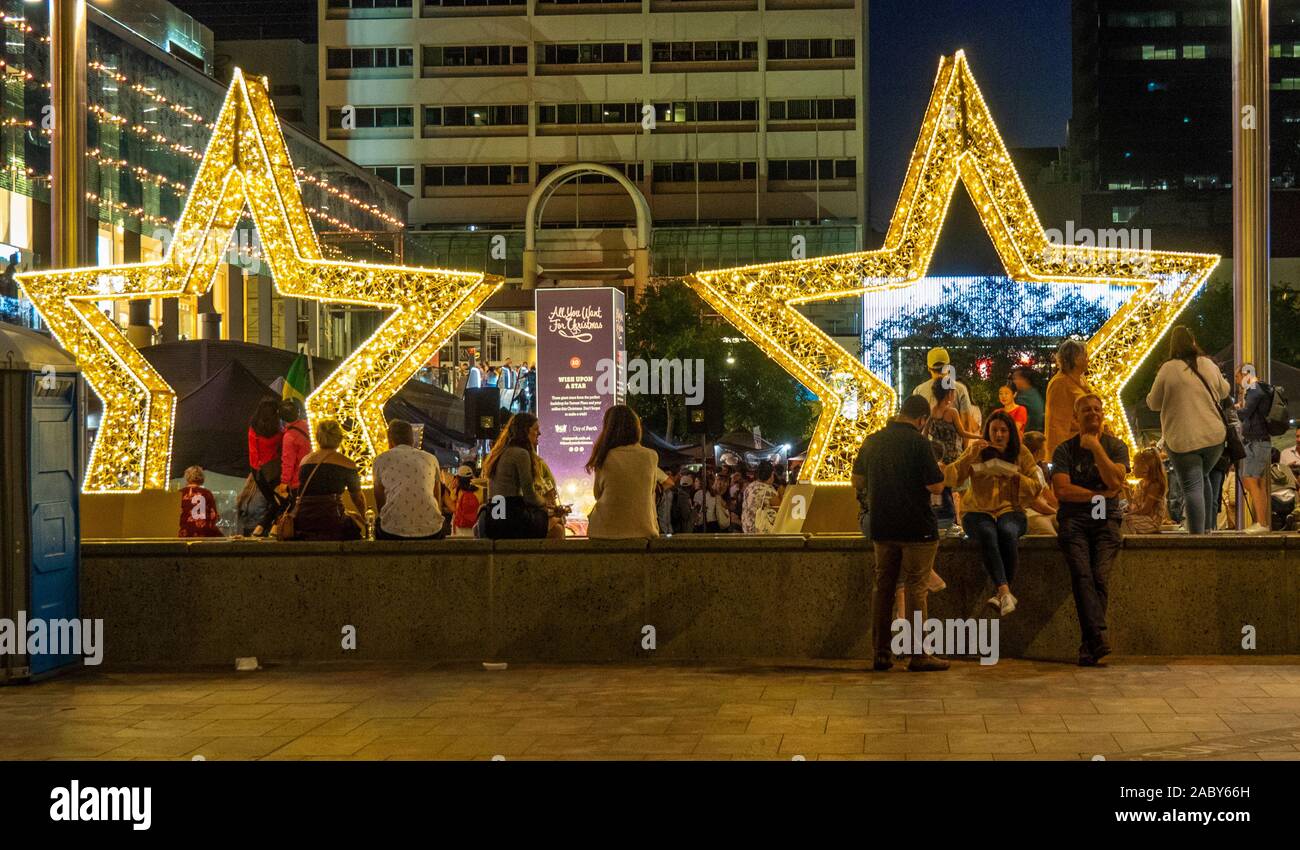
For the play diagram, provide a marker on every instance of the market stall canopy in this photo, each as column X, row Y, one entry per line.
column 212, row 422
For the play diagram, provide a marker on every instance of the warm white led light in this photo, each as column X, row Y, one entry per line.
column 958, row 141
column 247, row 165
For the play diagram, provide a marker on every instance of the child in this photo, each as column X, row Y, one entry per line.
column 1041, row 514
column 1147, row 510
column 466, row 501
column 198, row 507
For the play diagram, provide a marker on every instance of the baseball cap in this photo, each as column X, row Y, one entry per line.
column 937, row 357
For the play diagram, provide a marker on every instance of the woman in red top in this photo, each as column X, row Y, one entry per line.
column 198, row 507
column 1018, row 412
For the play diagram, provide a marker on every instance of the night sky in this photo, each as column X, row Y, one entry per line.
column 1019, row 51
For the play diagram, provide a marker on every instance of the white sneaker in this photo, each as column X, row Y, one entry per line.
column 995, row 602
column 1258, row 529
column 1007, row 604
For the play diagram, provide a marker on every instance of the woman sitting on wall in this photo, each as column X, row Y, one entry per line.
column 325, row 474
column 626, row 476
column 1003, row 481
column 513, row 508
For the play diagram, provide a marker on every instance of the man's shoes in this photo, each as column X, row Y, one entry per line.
column 1086, row 660
column 882, row 663
column 926, row 664
column 1100, row 651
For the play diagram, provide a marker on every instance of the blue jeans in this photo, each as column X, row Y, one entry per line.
column 1216, row 498
column 1193, row 470
column 1000, row 541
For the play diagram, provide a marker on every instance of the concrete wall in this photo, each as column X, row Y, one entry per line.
column 724, row 597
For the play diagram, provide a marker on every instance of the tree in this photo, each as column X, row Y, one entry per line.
column 670, row 322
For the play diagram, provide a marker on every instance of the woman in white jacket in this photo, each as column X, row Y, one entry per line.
column 1188, row 392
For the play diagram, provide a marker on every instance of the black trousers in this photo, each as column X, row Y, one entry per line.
column 1090, row 547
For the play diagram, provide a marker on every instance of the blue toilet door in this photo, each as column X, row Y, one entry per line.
column 54, row 493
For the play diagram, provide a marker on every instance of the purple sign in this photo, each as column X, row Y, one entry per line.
column 581, row 372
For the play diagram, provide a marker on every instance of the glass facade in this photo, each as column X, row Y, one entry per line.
column 148, row 120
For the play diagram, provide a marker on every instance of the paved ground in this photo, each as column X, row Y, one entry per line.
column 1189, row 708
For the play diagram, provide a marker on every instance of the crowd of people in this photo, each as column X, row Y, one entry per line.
column 1039, row 462
column 940, row 468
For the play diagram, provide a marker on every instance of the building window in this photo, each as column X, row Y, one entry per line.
column 705, row 172
column 475, row 175
column 1151, row 52
column 588, row 113
column 634, row 171
column 1193, row 51
column 705, row 111
column 401, row 176
column 1201, row 181
column 471, row 56
column 812, row 169
column 1141, row 20
column 703, row 51
column 476, row 116
column 1122, row 215
column 457, row 4
column 344, row 58
column 810, row 48
column 597, row 53
column 1286, row 84
column 369, row 4
column 1204, row 18
column 812, row 109
column 372, row 116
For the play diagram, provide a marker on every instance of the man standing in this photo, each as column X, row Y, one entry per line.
column 474, row 379
column 897, row 470
column 1088, row 473
column 506, row 382
column 940, row 365
column 407, row 488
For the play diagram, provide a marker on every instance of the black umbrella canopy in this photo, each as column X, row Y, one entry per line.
column 212, row 421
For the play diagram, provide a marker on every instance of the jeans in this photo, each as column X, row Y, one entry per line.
column 999, row 540
column 1216, row 501
column 913, row 562
column 1193, row 471
column 1089, row 546
column 864, row 523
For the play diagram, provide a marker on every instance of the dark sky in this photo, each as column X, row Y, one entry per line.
column 1019, row 51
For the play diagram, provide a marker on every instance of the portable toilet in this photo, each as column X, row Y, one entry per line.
column 42, row 404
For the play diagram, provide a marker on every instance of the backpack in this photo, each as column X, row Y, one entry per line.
column 1278, row 417
column 466, row 510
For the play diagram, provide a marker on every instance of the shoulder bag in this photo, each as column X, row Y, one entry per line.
column 283, row 528
column 1235, row 448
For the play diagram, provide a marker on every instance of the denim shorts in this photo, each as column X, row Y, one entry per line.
column 1259, row 457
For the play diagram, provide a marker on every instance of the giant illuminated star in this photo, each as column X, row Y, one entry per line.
column 958, row 141
column 246, row 163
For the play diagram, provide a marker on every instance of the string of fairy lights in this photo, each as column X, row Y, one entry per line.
column 132, row 451
column 958, row 141
column 192, row 117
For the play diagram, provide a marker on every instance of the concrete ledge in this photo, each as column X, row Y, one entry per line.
column 707, row 597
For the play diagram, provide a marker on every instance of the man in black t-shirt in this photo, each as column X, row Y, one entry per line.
column 896, row 471
column 1088, row 473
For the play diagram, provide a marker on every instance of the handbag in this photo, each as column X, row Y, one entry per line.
column 1236, row 448
column 283, row 528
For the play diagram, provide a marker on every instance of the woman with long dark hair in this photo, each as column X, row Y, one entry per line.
column 627, row 474
column 1189, row 391
column 265, row 437
column 513, row 508
column 1003, row 482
